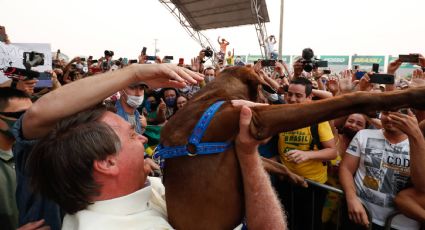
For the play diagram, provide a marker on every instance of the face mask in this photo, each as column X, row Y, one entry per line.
column 208, row 78
column 170, row 101
column 134, row 101
column 10, row 124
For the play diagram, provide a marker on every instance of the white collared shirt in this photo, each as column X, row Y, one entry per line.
column 143, row 209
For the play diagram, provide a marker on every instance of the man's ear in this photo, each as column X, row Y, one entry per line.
column 107, row 166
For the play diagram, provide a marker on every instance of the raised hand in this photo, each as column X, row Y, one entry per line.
column 166, row 75
column 393, row 66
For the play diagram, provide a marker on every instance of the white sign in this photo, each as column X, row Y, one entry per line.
column 13, row 55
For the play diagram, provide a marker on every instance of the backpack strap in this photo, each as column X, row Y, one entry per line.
column 314, row 129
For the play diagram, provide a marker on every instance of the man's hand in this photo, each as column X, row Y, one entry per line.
column 245, row 143
column 298, row 156
column 356, row 212
column 27, row 85
column 408, row 124
column 150, row 166
column 333, row 85
column 364, row 84
column 36, row 225
column 166, row 75
column 393, row 66
column 418, row 78
column 346, row 81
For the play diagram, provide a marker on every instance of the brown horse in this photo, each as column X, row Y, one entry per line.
column 206, row 192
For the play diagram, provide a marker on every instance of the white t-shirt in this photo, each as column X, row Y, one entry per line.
column 383, row 171
column 143, row 209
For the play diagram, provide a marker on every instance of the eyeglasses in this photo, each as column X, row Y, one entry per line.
column 16, row 115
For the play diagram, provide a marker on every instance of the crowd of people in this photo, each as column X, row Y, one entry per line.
column 77, row 155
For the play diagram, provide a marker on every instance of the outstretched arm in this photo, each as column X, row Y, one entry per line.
column 85, row 93
column 262, row 207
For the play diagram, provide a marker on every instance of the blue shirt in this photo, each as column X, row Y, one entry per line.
column 123, row 114
column 32, row 207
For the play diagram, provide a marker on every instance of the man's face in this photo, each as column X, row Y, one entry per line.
column 209, row 73
column 130, row 159
column 169, row 94
column 138, row 90
column 296, row 94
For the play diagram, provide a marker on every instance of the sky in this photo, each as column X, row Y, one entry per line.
column 329, row 27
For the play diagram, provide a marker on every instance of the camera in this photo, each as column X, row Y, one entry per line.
column 109, row 53
column 310, row 62
column 32, row 59
column 208, row 52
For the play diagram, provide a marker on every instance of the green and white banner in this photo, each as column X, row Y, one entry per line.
column 336, row 60
column 365, row 62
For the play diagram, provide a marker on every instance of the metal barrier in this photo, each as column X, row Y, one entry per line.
column 338, row 191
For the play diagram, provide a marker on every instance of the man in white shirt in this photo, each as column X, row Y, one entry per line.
column 379, row 160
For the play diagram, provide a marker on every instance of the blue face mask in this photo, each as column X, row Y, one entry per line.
column 170, row 101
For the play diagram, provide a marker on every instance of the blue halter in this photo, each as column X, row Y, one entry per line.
column 194, row 147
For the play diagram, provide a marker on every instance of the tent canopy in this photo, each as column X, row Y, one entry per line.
column 212, row 14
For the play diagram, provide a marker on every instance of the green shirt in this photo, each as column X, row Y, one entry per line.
column 8, row 208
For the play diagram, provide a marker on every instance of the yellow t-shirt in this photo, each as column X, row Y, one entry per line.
column 301, row 139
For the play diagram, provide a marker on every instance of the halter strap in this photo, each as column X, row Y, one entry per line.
column 194, row 146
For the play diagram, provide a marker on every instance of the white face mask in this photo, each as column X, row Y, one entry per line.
column 208, row 78
column 134, row 101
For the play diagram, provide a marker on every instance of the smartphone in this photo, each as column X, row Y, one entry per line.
column 411, row 58
column 169, row 57
column 83, row 59
column 94, row 61
column 151, row 58
column 326, row 71
column 144, row 51
column 375, row 67
column 133, row 61
column 44, row 80
column 382, row 78
column 268, row 62
column 356, row 67
column 181, row 61
column 360, row 74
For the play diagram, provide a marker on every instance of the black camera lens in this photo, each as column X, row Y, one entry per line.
column 308, row 67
